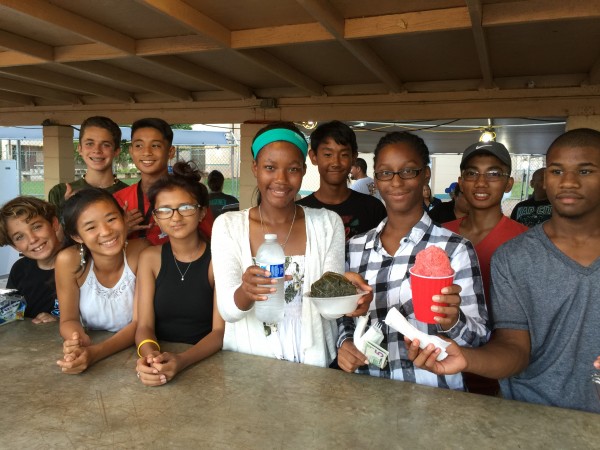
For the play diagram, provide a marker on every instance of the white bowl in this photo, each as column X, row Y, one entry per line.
column 334, row 307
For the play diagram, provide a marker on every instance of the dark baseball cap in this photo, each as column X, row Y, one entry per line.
column 487, row 148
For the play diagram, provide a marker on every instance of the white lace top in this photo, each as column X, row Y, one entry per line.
column 103, row 308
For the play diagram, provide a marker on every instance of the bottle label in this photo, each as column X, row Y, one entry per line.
column 277, row 270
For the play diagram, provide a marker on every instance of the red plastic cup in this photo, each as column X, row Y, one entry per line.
column 423, row 289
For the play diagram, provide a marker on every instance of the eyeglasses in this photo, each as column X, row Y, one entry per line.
column 490, row 175
column 405, row 174
column 184, row 210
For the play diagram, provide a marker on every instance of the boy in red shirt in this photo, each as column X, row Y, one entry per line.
column 485, row 177
column 151, row 150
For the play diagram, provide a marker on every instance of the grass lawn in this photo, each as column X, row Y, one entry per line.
column 36, row 188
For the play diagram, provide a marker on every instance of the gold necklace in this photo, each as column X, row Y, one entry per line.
column 267, row 231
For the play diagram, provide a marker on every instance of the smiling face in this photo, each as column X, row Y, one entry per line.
column 279, row 169
column 101, row 227
column 572, row 181
column 483, row 193
column 334, row 161
column 97, row 148
column 36, row 238
column 178, row 226
column 401, row 196
column 150, row 151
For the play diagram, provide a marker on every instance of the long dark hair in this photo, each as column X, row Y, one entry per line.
column 72, row 210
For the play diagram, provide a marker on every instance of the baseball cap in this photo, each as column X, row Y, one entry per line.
column 491, row 148
column 451, row 188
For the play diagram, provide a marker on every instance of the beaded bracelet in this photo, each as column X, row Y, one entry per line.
column 145, row 341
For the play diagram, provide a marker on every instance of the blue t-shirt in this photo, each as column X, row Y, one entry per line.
column 538, row 288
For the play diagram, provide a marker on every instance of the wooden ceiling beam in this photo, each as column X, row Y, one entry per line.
column 133, row 79
column 28, row 89
column 359, row 28
column 530, row 11
column 475, row 14
column 334, row 23
column 408, row 23
column 283, row 70
column 206, row 27
column 183, row 13
column 280, row 35
column 11, row 59
column 26, row 46
column 61, row 18
column 196, row 72
column 17, row 99
column 63, row 81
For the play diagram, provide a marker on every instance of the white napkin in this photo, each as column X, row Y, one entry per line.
column 399, row 323
column 373, row 334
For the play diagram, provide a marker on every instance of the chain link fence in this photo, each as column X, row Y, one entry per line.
column 523, row 167
column 29, row 155
column 226, row 159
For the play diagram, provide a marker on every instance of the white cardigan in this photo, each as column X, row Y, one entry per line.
column 231, row 256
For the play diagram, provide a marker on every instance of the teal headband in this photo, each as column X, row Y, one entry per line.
column 279, row 134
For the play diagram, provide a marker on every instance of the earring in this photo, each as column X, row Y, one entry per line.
column 81, row 255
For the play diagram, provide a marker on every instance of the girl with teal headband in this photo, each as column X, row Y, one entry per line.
column 313, row 242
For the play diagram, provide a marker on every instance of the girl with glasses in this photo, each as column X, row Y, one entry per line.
column 95, row 279
column 384, row 255
column 176, row 299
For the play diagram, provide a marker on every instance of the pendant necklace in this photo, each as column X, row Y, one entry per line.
column 267, row 231
column 179, row 270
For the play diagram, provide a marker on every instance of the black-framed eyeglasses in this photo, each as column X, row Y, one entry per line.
column 490, row 175
column 405, row 174
column 165, row 212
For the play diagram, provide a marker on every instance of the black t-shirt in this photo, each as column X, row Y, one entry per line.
column 183, row 310
column 359, row 213
column 36, row 285
column 530, row 212
column 443, row 212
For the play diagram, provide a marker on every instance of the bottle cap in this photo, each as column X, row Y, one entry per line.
column 270, row 237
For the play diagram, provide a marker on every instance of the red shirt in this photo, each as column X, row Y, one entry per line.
column 153, row 234
column 504, row 231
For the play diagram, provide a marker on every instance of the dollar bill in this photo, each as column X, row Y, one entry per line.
column 376, row 355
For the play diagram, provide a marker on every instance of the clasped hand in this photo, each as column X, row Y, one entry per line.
column 156, row 369
column 77, row 354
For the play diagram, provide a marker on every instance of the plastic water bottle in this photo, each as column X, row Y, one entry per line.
column 270, row 256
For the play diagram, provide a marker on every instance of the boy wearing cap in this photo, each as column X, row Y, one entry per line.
column 545, row 344
column 484, row 178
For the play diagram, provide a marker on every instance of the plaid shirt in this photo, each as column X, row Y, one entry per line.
column 389, row 278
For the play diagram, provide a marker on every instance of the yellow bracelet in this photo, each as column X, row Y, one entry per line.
column 145, row 341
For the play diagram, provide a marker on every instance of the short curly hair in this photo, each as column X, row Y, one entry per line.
column 23, row 206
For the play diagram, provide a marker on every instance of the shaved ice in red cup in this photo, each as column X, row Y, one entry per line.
column 431, row 273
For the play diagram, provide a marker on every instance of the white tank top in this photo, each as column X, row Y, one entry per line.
column 104, row 308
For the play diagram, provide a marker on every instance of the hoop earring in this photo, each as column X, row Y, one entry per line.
column 81, row 255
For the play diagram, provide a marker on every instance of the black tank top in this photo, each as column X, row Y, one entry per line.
column 183, row 310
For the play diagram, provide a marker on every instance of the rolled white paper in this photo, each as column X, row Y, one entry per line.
column 399, row 323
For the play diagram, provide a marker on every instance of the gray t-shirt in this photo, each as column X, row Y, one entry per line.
column 538, row 288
